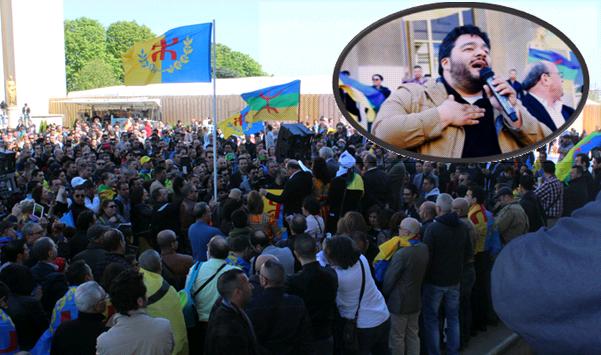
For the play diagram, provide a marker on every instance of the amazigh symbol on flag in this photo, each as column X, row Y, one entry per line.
column 274, row 103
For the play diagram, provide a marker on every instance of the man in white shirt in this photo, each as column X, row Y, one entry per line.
column 544, row 85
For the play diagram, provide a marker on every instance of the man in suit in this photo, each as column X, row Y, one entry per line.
column 328, row 155
column 544, row 85
column 515, row 84
column 376, row 184
column 298, row 186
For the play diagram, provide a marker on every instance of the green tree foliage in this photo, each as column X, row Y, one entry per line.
column 93, row 54
column 235, row 64
column 84, row 40
column 96, row 73
column 120, row 36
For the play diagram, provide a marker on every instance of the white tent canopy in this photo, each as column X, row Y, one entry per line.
column 309, row 85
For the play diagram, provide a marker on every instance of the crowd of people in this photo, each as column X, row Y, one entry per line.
column 114, row 242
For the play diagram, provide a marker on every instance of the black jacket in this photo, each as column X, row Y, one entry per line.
column 534, row 211
column 53, row 283
column 229, row 332
column 299, row 186
column 317, row 286
column 77, row 243
column 29, row 318
column 78, row 337
column 377, row 189
column 340, row 197
column 95, row 257
column 575, row 195
column 281, row 322
column 537, row 110
column 450, row 248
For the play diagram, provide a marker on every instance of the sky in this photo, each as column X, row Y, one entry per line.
column 294, row 37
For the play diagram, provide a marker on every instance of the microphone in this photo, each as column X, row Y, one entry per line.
column 486, row 75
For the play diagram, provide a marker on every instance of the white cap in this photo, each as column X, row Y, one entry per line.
column 78, row 180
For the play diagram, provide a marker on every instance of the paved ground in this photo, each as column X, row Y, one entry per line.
column 485, row 342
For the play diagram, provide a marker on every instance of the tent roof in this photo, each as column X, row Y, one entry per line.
column 309, row 85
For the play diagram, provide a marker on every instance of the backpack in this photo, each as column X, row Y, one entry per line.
column 187, row 300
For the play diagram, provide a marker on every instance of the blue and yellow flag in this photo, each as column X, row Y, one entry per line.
column 274, row 103
column 365, row 95
column 587, row 144
column 181, row 55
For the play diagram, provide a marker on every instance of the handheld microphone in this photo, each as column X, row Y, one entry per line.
column 486, row 75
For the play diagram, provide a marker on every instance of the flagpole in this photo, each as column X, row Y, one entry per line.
column 214, row 115
column 299, row 102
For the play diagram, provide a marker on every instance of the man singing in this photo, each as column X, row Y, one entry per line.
column 455, row 116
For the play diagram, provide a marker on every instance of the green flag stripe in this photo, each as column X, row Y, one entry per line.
column 287, row 100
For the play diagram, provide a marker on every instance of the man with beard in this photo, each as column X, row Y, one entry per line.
column 455, row 117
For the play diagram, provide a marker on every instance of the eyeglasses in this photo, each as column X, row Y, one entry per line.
column 112, row 206
column 78, row 196
column 375, row 79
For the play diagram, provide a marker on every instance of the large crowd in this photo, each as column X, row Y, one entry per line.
column 114, row 242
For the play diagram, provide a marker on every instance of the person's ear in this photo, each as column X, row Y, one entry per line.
column 446, row 63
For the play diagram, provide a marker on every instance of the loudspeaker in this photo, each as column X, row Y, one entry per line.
column 294, row 142
column 7, row 162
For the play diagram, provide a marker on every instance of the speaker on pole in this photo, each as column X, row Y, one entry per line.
column 294, row 142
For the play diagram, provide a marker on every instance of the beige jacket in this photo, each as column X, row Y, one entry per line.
column 419, row 128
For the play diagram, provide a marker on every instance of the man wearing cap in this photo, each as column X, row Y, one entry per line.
column 511, row 221
column 298, row 186
column 146, row 170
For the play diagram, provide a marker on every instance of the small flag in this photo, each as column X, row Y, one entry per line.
column 274, row 103
column 362, row 94
column 68, row 220
column 569, row 68
column 587, row 144
column 180, row 55
column 231, row 126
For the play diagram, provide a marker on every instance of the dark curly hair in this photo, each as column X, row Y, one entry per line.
column 125, row 290
column 448, row 43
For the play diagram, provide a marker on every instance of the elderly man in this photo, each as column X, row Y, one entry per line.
column 544, row 85
column 175, row 266
column 79, row 336
column 163, row 300
column 402, row 290
column 456, row 117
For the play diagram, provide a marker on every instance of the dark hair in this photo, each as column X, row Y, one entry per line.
column 11, row 251
column 41, row 248
column 342, row 251
column 111, row 239
column 448, row 43
column 430, row 180
column 18, row 278
column 276, row 273
column 527, row 182
column 255, row 203
column 311, row 205
column 239, row 218
column 395, row 221
column 200, row 209
column 584, row 159
column 76, row 272
column 125, row 290
column 548, row 167
column 298, row 224
column 352, row 221
column 579, row 169
column 110, row 273
column 305, row 246
column 411, row 187
column 478, row 193
column 417, row 67
column 533, row 75
column 238, row 244
column 379, row 76
column 136, row 195
column 320, row 170
column 228, row 282
column 84, row 220
column 96, row 231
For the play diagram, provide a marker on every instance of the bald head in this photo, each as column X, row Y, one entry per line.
column 460, row 206
column 166, row 238
column 150, row 260
column 218, row 248
column 261, row 259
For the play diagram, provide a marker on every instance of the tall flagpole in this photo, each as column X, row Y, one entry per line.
column 214, row 116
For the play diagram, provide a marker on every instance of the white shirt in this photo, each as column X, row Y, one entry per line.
column 94, row 204
column 373, row 311
column 554, row 110
column 315, row 227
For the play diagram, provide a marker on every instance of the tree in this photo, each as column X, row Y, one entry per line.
column 120, row 36
column 96, row 73
column 235, row 64
column 84, row 40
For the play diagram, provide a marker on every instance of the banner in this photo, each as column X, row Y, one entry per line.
column 275, row 211
column 274, row 103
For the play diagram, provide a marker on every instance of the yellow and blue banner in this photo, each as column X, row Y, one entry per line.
column 180, row 55
column 274, row 103
column 236, row 125
column 365, row 95
column 587, row 144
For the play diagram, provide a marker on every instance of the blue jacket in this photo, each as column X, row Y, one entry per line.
column 545, row 285
column 199, row 234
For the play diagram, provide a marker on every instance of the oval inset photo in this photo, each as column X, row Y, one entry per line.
column 467, row 81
